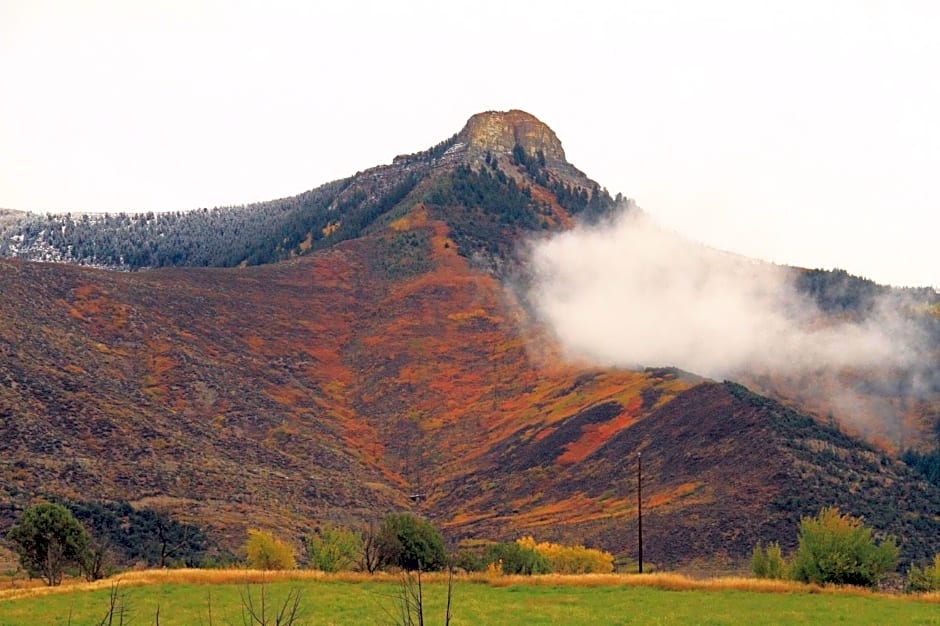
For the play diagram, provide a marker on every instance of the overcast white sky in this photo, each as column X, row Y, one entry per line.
column 799, row 132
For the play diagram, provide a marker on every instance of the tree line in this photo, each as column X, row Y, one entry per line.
column 832, row 548
column 94, row 538
column 52, row 539
column 253, row 234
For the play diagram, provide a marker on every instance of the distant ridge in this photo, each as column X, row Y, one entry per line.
column 273, row 231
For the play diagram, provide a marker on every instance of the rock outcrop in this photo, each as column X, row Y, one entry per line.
column 500, row 131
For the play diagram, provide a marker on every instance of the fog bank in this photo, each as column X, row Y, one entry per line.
column 627, row 293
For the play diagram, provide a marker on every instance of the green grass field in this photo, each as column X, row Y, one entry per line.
column 334, row 601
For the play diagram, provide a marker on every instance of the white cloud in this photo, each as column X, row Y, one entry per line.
column 630, row 294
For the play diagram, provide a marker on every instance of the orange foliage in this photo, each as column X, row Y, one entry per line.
column 577, row 508
column 559, row 215
column 662, row 498
column 161, row 364
column 596, row 435
column 255, row 343
column 85, row 291
column 288, row 396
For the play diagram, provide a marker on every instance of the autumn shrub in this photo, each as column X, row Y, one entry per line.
column 334, row 549
column 564, row 559
column 924, row 579
column 839, row 549
column 515, row 558
column 267, row 552
column 768, row 562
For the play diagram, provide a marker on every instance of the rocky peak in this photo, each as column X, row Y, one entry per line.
column 500, row 131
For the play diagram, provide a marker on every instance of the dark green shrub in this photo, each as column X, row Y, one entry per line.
column 409, row 543
column 141, row 535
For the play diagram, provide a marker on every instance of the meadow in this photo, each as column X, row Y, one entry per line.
column 192, row 597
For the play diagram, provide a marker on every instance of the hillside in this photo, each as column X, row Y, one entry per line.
column 383, row 365
column 721, row 467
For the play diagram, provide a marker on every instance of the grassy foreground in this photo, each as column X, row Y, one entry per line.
column 192, row 597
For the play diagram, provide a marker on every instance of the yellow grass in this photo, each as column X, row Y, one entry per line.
column 668, row 581
column 679, row 582
column 139, row 578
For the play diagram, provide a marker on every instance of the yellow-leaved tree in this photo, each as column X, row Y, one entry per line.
column 571, row 559
column 265, row 551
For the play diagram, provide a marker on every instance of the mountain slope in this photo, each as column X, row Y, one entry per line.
column 391, row 369
column 722, row 467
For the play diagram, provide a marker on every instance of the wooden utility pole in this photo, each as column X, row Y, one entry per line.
column 639, row 508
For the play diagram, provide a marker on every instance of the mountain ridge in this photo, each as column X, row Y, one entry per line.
column 335, row 211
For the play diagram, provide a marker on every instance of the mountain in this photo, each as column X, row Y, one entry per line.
column 512, row 146
column 382, row 364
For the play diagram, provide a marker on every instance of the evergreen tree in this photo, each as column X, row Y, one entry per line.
column 48, row 538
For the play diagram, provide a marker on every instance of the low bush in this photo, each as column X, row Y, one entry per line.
column 472, row 555
column 564, row 559
column 334, row 549
column 515, row 558
column 768, row 562
column 924, row 579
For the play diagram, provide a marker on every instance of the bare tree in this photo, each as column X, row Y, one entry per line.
column 370, row 549
column 255, row 610
column 117, row 608
column 97, row 559
column 411, row 599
